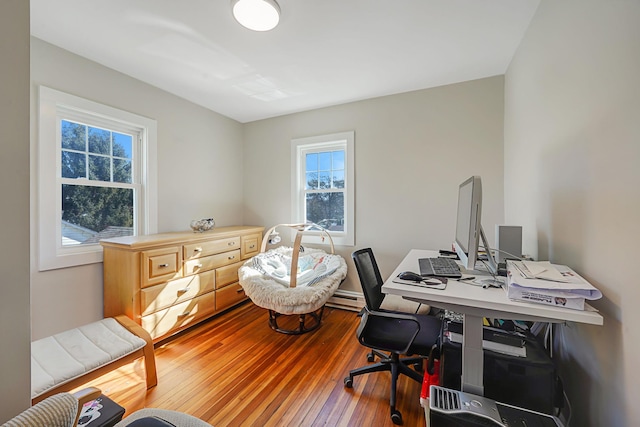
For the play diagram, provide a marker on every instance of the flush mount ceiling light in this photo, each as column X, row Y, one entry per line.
column 256, row 15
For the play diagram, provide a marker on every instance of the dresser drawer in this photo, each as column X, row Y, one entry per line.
column 154, row 298
column 199, row 250
column 229, row 295
column 179, row 316
column 160, row 265
column 250, row 245
column 227, row 275
column 210, row 262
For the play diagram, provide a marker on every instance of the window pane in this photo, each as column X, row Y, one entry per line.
column 93, row 213
column 311, row 162
column 324, row 179
column 122, row 171
column 99, row 168
column 324, row 161
column 312, row 181
column 99, row 141
column 338, row 160
column 73, row 165
column 331, row 202
column 122, row 145
column 338, row 179
column 326, row 210
column 74, row 136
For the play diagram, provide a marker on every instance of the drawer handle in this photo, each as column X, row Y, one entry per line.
column 231, row 243
column 184, row 314
column 232, row 256
column 198, row 266
column 239, row 291
column 252, row 246
column 163, row 265
column 183, row 290
column 197, row 250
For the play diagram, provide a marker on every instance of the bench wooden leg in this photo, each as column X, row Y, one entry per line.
column 149, row 355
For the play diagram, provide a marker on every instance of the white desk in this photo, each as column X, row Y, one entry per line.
column 475, row 302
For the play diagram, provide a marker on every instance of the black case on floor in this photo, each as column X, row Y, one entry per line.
column 529, row 382
column 102, row 412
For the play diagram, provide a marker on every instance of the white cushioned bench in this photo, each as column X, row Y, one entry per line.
column 71, row 358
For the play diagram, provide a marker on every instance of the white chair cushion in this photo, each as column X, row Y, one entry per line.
column 313, row 266
column 70, row 354
column 269, row 291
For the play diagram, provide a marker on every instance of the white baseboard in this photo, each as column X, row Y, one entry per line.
column 347, row 300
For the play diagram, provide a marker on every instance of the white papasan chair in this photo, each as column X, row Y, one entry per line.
column 267, row 280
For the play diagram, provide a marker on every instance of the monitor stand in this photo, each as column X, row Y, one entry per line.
column 492, row 266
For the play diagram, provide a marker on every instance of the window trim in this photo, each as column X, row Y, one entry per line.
column 51, row 253
column 299, row 146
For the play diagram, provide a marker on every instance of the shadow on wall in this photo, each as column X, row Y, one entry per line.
column 586, row 369
column 590, row 358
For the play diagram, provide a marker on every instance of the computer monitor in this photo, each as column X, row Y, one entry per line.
column 469, row 230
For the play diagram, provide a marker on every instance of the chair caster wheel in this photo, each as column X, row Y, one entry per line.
column 371, row 357
column 348, row 382
column 396, row 417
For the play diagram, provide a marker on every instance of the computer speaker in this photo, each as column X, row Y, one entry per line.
column 508, row 242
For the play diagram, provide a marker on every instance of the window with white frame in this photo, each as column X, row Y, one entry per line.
column 96, row 178
column 323, row 184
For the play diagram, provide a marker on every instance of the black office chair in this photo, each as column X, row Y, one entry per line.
column 390, row 331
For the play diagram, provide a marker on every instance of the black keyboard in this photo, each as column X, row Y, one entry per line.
column 443, row 267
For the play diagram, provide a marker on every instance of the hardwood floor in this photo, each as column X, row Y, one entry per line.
column 235, row 371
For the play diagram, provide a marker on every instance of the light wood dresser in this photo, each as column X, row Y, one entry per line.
column 170, row 281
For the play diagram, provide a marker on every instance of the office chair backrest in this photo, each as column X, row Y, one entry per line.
column 370, row 278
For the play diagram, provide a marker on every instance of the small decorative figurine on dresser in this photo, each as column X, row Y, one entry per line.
column 202, row 225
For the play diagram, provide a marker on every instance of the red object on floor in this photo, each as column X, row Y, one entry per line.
column 429, row 380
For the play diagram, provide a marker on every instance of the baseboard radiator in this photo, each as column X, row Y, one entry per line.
column 347, row 300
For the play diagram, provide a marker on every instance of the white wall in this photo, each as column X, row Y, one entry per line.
column 412, row 150
column 572, row 178
column 15, row 368
column 405, row 145
column 199, row 173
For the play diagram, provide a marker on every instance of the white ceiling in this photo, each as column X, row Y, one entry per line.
column 324, row 52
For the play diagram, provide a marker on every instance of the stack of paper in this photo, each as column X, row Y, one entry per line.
column 546, row 283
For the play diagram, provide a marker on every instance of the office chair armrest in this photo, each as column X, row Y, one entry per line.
column 394, row 332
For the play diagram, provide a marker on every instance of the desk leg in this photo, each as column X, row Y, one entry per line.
column 472, row 355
